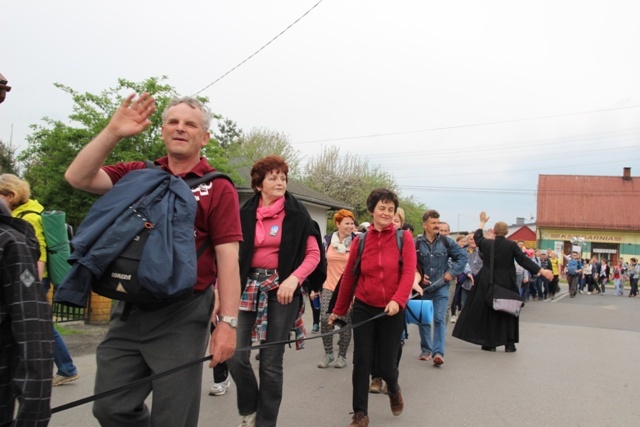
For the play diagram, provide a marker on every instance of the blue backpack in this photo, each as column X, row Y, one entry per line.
column 144, row 254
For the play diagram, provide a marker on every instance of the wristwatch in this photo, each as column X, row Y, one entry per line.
column 232, row 321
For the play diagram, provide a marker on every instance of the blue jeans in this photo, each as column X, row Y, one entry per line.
column 440, row 300
column 61, row 356
column 536, row 287
column 464, row 294
column 266, row 397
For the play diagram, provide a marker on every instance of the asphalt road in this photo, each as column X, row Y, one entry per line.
column 575, row 366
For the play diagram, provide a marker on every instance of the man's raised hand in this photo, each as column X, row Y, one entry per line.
column 133, row 116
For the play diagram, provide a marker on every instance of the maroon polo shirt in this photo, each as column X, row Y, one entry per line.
column 217, row 217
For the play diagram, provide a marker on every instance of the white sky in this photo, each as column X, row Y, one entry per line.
column 402, row 70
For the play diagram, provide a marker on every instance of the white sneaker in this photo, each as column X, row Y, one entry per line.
column 326, row 361
column 218, row 389
column 454, row 318
column 248, row 420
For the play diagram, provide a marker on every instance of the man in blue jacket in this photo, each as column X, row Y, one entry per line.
column 434, row 251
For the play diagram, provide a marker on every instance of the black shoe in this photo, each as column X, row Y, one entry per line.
column 487, row 348
column 510, row 348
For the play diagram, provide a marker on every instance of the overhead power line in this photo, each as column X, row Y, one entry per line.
column 470, row 125
column 259, row 50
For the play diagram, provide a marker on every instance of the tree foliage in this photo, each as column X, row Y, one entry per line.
column 347, row 178
column 413, row 211
column 8, row 160
column 53, row 144
column 261, row 142
column 228, row 133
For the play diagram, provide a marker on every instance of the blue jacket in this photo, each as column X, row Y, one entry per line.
column 434, row 258
column 140, row 197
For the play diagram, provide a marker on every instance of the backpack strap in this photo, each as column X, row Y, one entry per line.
column 209, row 176
column 193, row 182
column 23, row 213
column 444, row 241
column 400, row 244
column 356, row 266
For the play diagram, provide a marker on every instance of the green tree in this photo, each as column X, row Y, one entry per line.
column 413, row 211
column 347, row 178
column 228, row 133
column 8, row 160
column 53, row 144
column 261, row 142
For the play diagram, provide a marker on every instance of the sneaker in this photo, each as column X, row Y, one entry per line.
column 61, row 379
column 581, row 292
column 376, row 386
column 218, row 389
column 248, row 420
column 438, row 360
column 316, row 329
column 326, row 361
column 425, row 356
column 454, row 318
column 359, row 419
column 396, row 402
column 341, row 362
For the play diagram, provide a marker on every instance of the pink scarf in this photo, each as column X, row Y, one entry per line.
column 264, row 213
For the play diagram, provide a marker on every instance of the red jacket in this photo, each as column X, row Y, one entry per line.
column 381, row 279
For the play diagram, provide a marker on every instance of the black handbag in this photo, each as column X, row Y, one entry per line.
column 503, row 299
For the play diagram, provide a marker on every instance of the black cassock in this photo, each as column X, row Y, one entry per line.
column 478, row 322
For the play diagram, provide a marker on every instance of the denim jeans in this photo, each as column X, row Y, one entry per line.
column 545, row 287
column 464, row 294
column 266, row 397
column 618, row 285
column 519, row 279
column 61, row 356
column 440, row 299
column 535, row 286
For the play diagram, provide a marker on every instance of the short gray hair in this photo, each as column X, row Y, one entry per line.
column 193, row 103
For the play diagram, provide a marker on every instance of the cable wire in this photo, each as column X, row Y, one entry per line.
column 499, row 122
column 259, row 50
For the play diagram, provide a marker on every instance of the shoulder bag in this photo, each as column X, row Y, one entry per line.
column 504, row 300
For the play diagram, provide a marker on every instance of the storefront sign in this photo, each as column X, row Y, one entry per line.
column 587, row 237
column 604, row 251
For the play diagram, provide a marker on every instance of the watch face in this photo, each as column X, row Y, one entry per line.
column 232, row 321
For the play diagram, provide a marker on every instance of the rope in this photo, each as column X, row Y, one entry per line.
column 202, row 360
